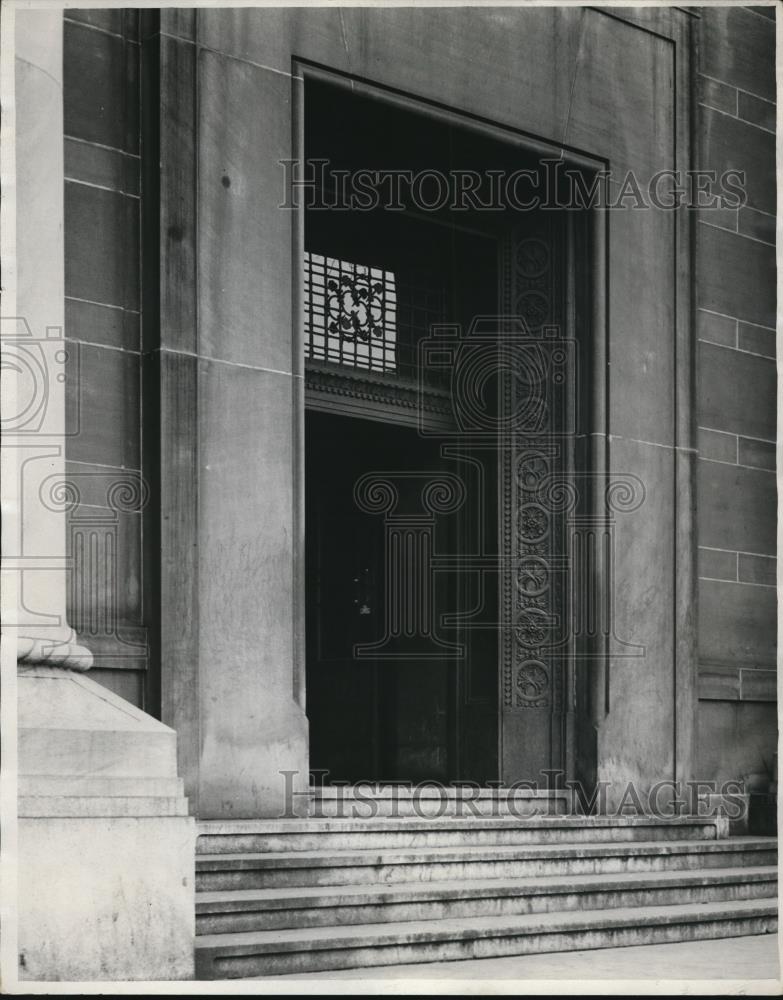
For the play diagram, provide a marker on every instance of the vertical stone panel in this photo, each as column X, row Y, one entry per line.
column 245, row 268
column 636, row 739
column 642, row 301
column 251, row 728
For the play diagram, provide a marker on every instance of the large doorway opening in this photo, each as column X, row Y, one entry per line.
column 438, row 396
column 395, row 693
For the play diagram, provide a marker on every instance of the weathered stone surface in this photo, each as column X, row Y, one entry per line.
column 126, row 683
column 108, row 326
column 244, row 290
column 102, row 104
column 179, row 21
column 738, row 48
column 102, row 246
column 717, row 445
column 737, row 507
column 279, row 896
column 408, row 831
column 757, row 339
column 224, row 913
column 754, row 109
column 716, row 565
column 757, row 225
column 114, row 20
column 93, row 164
column 760, row 454
column 105, row 872
column 106, row 898
column 305, row 869
column 736, row 276
column 250, row 725
column 103, row 404
column 416, row 50
column 735, row 392
column 759, row 685
column 733, row 736
column 631, row 748
column 279, row 952
column 719, row 682
column 730, row 144
column 736, row 623
column 642, row 380
column 717, row 329
column 717, row 95
column 757, row 569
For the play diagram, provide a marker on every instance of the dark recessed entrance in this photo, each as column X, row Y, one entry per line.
column 437, row 596
column 393, row 693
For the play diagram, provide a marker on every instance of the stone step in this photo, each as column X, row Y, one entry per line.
column 330, row 906
column 367, row 801
column 355, row 867
column 268, row 953
column 260, row 836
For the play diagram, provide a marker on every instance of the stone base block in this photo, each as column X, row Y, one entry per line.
column 106, row 845
column 106, row 898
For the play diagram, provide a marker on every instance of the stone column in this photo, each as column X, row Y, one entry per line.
column 35, row 359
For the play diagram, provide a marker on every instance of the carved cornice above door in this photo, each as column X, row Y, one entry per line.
column 376, row 397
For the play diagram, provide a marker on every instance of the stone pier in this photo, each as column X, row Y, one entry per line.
column 106, row 845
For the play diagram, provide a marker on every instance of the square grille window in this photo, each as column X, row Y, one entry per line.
column 350, row 314
column 366, row 317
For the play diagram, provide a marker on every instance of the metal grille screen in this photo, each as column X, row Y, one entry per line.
column 366, row 317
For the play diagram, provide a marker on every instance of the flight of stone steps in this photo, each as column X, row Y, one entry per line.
column 289, row 896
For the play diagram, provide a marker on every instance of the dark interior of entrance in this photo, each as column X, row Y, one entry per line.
column 394, row 692
column 384, row 705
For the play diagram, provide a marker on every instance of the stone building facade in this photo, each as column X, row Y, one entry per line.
column 194, row 425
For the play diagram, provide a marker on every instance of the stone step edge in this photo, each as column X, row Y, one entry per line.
column 500, row 852
column 391, row 824
column 426, row 931
column 240, row 900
